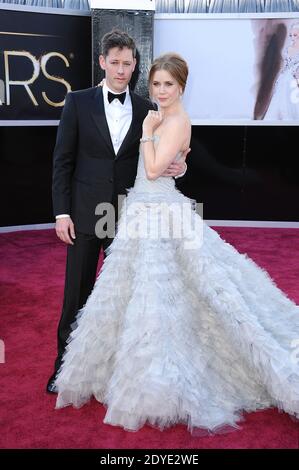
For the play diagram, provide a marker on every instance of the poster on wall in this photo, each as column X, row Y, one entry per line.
column 42, row 57
column 244, row 69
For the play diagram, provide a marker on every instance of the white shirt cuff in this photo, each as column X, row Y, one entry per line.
column 61, row 216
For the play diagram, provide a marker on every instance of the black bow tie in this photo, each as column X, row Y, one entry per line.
column 121, row 97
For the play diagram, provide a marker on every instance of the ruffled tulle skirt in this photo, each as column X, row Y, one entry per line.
column 180, row 327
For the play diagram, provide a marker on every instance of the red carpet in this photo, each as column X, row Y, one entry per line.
column 31, row 287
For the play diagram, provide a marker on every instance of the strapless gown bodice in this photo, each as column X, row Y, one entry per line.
column 163, row 184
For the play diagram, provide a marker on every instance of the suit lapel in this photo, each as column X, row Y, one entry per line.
column 98, row 114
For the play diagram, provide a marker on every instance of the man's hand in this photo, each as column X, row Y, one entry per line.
column 65, row 230
column 179, row 167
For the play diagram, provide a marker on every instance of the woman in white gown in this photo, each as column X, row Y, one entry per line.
column 284, row 104
column 180, row 327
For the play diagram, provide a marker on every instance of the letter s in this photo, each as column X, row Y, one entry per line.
column 44, row 61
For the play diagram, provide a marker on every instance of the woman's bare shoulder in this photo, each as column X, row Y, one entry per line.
column 180, row 120
column 178, row 125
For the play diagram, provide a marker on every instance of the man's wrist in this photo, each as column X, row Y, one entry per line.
column 62, row 216
column 182, row 174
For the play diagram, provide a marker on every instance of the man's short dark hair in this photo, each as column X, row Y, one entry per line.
column 117, row 38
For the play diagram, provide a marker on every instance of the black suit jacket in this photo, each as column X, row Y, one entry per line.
column 86, row 170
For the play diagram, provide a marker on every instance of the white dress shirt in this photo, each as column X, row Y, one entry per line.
column 119, row 117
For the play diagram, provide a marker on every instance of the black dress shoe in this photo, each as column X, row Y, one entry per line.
column 51, row 387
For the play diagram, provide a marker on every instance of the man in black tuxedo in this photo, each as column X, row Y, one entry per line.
column 95, row 161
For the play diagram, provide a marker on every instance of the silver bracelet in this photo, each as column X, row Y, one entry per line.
column 147, row 139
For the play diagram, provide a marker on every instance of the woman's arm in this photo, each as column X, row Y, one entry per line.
column 175, row 134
